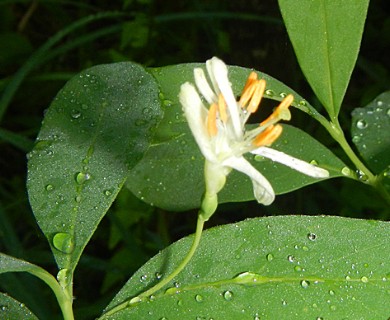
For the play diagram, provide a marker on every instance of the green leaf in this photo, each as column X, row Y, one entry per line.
column 174, row 165
column 326, row 36
column 95, row 131
column 12, row 309
column 291, row 267
column 370, row 132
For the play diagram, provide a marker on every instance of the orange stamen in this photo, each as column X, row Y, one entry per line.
column 251, row 78
column 212, row 120
column 222, row 108
column 247, row 94
column 268, row 136
column 257, row 95
column 284, row 105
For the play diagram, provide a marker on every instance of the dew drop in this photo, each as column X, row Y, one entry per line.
column 228, row 295
column 361, row 124
column 388, row 112
column 297, row 268
column 356, row 139
column 291, row 258
column 314, row 162
column 269, row 257
column 75, row 114
column 364, row 279
column 167, row 103
column 331, row 292
column 49, row 187
column 259, row 158
column 269, row 92
column 63, row 277
column 283, row 94
column 81, row 177
column 284, row 302
column 379, row 103
column 256, row 317
column 312, row 236
column 198, row 298
column 319, row 318
column 143, row 278
column 304, row 248
column 63, row 242
column 4, row 308
column 333, row 308
column 305, row 284
column 107, row 192
column 348, row 278
column 158, row 275
column 346, row 171
column 302, row 103
column 77, row 199
column 361, row 176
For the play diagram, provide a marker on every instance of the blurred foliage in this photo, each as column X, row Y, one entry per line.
column 43, row 43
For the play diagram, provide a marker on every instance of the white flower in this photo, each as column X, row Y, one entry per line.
column 220, row 130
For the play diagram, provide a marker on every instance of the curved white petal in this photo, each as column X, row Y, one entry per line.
column 294, row 163
column 196, row 114
column 203, row 86
column 262, row 189
column 218, row 70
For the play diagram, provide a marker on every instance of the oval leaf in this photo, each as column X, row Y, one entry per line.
column 326, row 36
column 174, row 165
column 292, row 267
column 370, row 132
column 95, row 131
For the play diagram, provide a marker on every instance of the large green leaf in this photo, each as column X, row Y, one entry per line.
column 291, row 267
column 371, row 132
column 11, row 309
column 171, row 173
column 95, row 131
column 326, row 36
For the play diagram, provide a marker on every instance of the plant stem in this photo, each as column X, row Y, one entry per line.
column 337, row 133
column 162, row 283
column 64, row 296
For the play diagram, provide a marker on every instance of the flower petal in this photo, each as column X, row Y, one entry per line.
column 196, row 114
column 294, row 163
column 262, row 189
column 219, row 75
column 204, row 87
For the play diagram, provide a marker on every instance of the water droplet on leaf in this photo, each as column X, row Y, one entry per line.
column 269, row 257
column 49, row 187
column 312, row 236
column 291, row 258
column 198, row 298
column 305, row 284
column 346, row 171
column 63, row 242
column 361, row 124
column 81, row 177
column 228, row 295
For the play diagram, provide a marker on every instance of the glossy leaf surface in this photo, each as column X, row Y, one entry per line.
column 95, row 131
column 326, row 36
column 291, row 267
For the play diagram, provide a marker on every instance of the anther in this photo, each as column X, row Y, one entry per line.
column 268, row 136
column 212, row 120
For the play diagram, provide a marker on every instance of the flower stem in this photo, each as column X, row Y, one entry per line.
column 181, row 266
